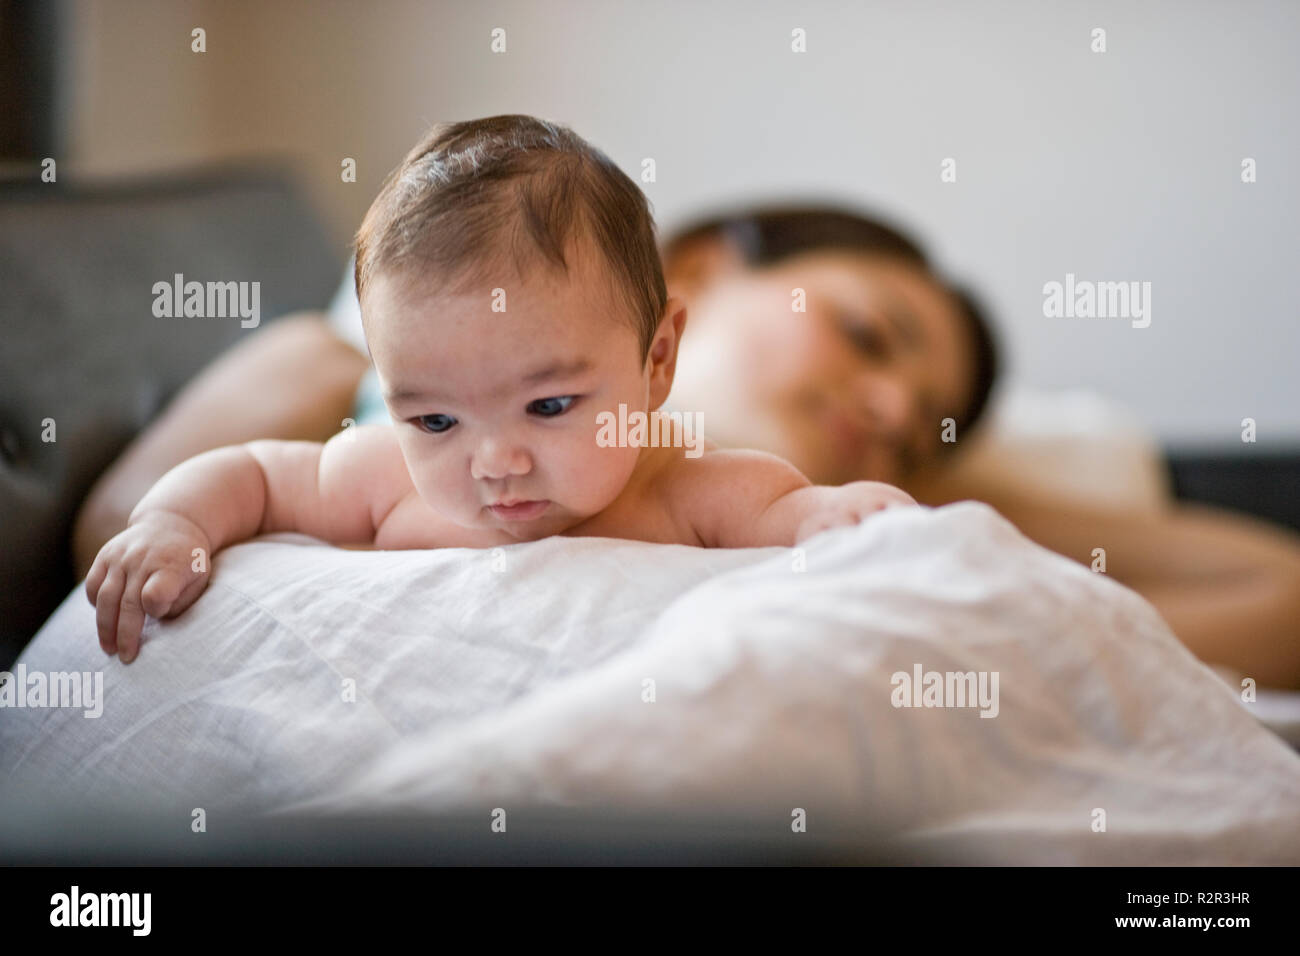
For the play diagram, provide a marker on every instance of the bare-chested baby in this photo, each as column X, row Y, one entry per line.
column 511, row 292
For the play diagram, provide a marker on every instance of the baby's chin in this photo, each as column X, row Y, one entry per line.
column 555, row 521
column 522, row 530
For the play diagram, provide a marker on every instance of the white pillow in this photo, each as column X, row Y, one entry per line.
column 317, row 677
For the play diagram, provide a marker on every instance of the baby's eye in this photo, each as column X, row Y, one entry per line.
column 550, row 407
column 436, row 423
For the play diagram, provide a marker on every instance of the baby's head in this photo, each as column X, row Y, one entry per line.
column 511, row 290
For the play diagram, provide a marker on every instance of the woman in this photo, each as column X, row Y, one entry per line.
column 821, row 336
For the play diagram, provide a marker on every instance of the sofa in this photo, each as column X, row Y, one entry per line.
column 86, row 364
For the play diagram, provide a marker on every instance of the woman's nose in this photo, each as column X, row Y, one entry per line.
column 496, row 458
column 887, row 401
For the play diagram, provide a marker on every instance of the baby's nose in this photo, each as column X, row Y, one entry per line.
column 495, row 459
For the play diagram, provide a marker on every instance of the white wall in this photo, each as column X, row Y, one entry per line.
column 1117, row 166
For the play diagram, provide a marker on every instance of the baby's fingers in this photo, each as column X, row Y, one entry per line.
column 811, row 527
column 130, row 621
column 95, row 578
column 194, row 586
column 161, row 592
column 107, row 598
column 815, row 524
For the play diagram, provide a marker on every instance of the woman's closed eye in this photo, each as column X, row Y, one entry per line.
column 551, row 407
column 865, row 335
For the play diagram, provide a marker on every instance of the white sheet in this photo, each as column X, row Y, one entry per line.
column 479, row 687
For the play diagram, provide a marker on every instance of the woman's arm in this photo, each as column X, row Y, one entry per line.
column 1228, row 585
column 295, row 379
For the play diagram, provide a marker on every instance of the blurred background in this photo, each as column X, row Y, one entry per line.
column 1123, row 165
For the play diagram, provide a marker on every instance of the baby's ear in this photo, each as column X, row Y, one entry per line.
column 662, row 359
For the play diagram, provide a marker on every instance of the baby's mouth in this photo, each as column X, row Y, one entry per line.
column 519, row 510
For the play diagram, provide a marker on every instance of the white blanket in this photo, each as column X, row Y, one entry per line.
column 594, row 671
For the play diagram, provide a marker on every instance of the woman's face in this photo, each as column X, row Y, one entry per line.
column 856, row 386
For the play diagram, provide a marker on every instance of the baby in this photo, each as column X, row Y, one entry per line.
column 511, row 291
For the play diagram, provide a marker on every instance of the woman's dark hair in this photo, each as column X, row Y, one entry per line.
column 766, row 235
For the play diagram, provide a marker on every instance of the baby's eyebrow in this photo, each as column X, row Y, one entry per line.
column 556, row 369
column 560, row 369
column 397, row 396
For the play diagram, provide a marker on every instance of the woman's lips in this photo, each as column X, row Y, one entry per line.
column 848, row 436
column 872, row 454
column 519, row 511
column 856, row 444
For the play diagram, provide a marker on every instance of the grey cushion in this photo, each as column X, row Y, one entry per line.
column 83, row 347
column 1262, row 483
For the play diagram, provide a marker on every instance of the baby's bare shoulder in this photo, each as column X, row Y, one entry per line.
column 723, row 487
column 366, row 460
column 724, row 464
column 365, row 450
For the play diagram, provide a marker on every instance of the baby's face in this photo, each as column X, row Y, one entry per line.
column 495, row 408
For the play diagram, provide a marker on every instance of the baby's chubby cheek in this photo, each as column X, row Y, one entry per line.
column 597, row 478
column 450, row 494
column 451, row 498
column 578, row 475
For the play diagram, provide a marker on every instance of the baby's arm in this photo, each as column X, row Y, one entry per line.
column 750, row 499
column 338, row 491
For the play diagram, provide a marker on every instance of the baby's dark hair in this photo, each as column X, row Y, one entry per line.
column 473, row 194
column 766, row 235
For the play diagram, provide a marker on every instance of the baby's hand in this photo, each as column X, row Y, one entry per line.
column 146, row 569
column 850, row 504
